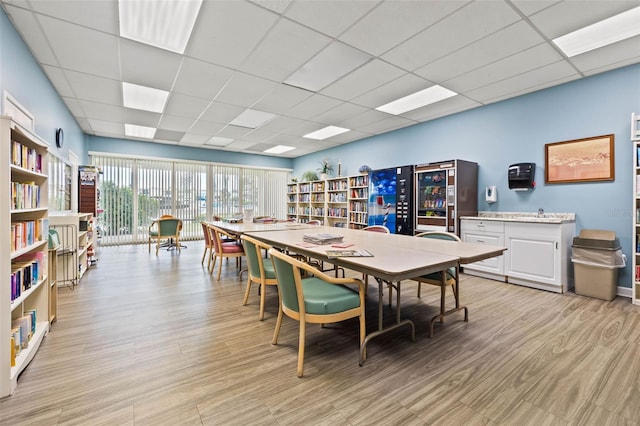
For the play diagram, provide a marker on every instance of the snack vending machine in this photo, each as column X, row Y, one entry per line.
column 445, row 191
column 391, row 199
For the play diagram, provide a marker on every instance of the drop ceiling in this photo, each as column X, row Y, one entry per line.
column 241, row 53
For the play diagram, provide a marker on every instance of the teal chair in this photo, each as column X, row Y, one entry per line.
column 165, row 228
column 320, row 299
column 260, row 270
column 443, row 279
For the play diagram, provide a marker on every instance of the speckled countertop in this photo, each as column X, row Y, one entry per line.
column 524, row 217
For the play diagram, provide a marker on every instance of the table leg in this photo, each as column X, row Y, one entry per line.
column 381, row 329
column 457, row 308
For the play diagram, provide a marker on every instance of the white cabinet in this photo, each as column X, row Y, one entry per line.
column 490, row 233
column 24, row 293
column 538, row 254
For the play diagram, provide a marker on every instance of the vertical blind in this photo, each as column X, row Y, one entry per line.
column 136, row 191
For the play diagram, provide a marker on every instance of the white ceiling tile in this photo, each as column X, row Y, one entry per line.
column 508, row 41
column 364, row 119
column 331, row 17
column 281, row 98
column 440, row 109
column 74, row 107
column 282, row 123
column 185, row 106
column 175, row 123
column 202, row 127
column 567, row 16
column 106, row 126
column 530, row 80
column 240, row 145
column 96, row 89
column 201, row 79
column 312, row 106
column 59, row 80
column 101, row 111
column 84, row 124
column 244, row 90
column 393, row 90
column 302, row 128
column 466, row 25
column 194, row 139
column 529, row 7
column 137, row 60
column 517, row 64
column 392, row 22
column 98, row 15
column 387, row 125
column 285, row 48
column 233, row 132
column 221, row 113
column 221, row 22
column 340, row 113
column 141, row 118
column 29, row 30
column 368, row 77
column 351, row 136
column 99, row 50
column 277, row 6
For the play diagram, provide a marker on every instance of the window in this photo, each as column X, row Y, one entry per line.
column 191, row 191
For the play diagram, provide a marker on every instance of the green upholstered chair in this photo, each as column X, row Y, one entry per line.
column 53, row 239
column 442, row 279
column 320, row 299
column 260, row 269
column 165, row 228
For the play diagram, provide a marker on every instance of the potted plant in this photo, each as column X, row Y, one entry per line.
column 364, row 169
column 325, row 168
column 309, row 176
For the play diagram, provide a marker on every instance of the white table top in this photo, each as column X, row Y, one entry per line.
column 239, row 228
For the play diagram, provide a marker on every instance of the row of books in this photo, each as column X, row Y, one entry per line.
column 358, row 217
column 25, row 195
column 359, row 180
column 26, row 157
column 317, row 198
column 26, row 271
column 23, row 234
column 358, row 206
column 337, row 197
column 359, row 193
column 638, row 273
column 337, row 212
column 22, row 330
column 337, row 185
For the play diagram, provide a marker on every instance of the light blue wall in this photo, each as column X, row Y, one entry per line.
column 515, row 131
column 23, row 78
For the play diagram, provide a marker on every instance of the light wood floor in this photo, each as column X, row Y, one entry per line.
column 149, row 340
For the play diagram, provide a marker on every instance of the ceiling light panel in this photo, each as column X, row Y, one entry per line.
column 144, row 98
column 163, row 24
column 611, row 30
column 136, row 131
column 278, row 149
column 326, row 132
column 252, row 118
column 218, row 141
column 335, row 61
column 417, row 100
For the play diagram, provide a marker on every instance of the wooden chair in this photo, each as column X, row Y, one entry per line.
column 260, row 271
column 320, row 299
column 442, row 279
column 224, row 250
column 208, row 245
column 165, row 228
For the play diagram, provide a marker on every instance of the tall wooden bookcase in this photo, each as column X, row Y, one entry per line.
column 24, row 249
column 635, row 138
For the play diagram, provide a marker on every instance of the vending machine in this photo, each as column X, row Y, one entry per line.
column 445, row 191
column 391, row 199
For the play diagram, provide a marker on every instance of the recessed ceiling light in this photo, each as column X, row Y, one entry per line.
column 252, row 118
column 279, row 149
column 611, row 30
column 326, row 132
column 335, row 61
column 145, row 98
column 416, row 100
column 164, row 24
column 136, row 131
column 218, row 141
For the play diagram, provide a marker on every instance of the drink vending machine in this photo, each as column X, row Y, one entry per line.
column 391, row 199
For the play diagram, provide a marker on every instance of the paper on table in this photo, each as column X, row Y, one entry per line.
column 348, row 253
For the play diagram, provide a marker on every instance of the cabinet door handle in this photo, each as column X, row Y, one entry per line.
column 556, row 245
column 480, row 241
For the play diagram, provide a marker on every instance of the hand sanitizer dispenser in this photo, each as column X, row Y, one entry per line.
column 491, row 194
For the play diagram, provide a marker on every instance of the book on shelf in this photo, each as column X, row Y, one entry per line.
column 333, row 253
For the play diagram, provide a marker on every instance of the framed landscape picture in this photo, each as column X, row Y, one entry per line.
column 580, row 160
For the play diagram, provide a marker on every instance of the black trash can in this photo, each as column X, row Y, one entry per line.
column 596, row 257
